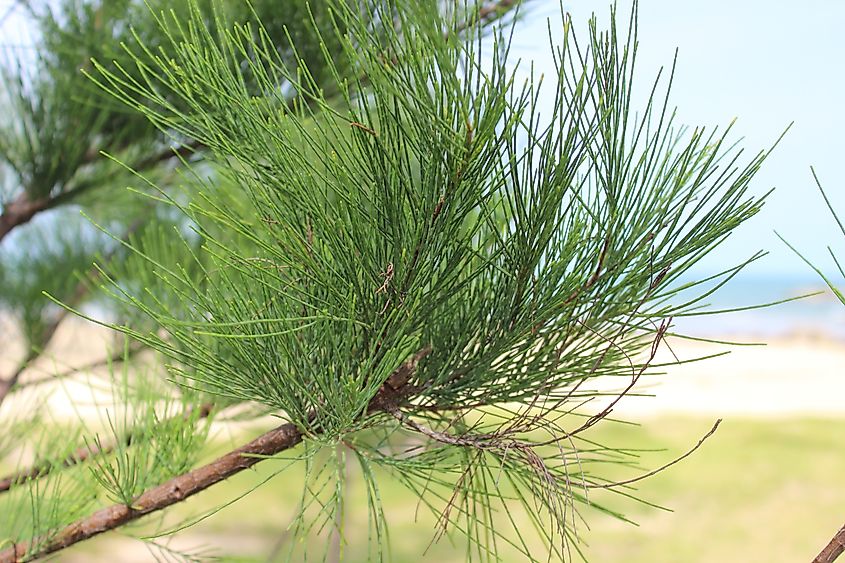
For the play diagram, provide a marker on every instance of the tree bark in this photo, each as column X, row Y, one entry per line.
column 833, row 549
column 396, row 389
column 81, row 455
column 176, row 490
column 19, row 211
column 22, row 209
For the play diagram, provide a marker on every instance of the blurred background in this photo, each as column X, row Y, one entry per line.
column 767, row 486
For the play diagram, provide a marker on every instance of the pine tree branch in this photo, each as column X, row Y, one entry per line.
column 833, row 549
column 494, row 10
column 22, row 208
column 119, row 356
column 20, row 211
column 662, row 468
column 82, row 454
column 9, row 384
column 176, row 490
column 395, row 390
column 6, row 385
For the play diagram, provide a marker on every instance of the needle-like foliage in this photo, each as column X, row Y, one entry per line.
column 397, row 247
column 827, row 279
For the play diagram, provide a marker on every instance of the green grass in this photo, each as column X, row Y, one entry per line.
column 759, row 490
column 765, row 490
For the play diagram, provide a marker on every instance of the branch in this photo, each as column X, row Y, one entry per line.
column 188, row 484
column 176, row 490
column 833, row 549
column 19, row 211
column 9, row 384
column 662, row 467
column 119, row 356
column 79, row 456
column 6, row 385
column 495, row 10
column 22, row 209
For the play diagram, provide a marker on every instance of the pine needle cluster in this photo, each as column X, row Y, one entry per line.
column 396, row 247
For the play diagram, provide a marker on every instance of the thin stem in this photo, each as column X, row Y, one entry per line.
column 6, row 385
column 118, row 356
column 82, row 289
column 662, row 467
column 22, row 209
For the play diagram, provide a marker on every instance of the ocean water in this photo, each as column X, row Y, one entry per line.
column 819, row 315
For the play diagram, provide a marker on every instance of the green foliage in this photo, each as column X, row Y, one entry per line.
column 381, row 209
column 46, row 261
column 427, row 210
column 44, row 507
column 830, row 284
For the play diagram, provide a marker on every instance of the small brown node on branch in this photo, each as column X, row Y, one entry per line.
column 660, row 275
column 396, row 387
column 388, row 277
column 438, row 208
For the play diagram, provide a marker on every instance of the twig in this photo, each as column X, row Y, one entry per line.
column 658, row 338
column 6, row 385
column 188, row 484
column 82, row 289
column 494, row 10
column 117, row 357
column 833, row 549
column 80, row 455
column 176, row 490
column 22, row 209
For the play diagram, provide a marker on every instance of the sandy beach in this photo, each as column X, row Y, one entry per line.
column 799, row 374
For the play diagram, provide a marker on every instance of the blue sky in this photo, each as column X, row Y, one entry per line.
column 765, row 62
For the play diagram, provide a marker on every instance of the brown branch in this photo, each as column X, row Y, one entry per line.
column 833, row 549
column 22, row 209
column 11, row 383
column 188, row 484
column 659, row 336
column 495, row 10
column 80, row 455
column 19, row 211
column 176, row 490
